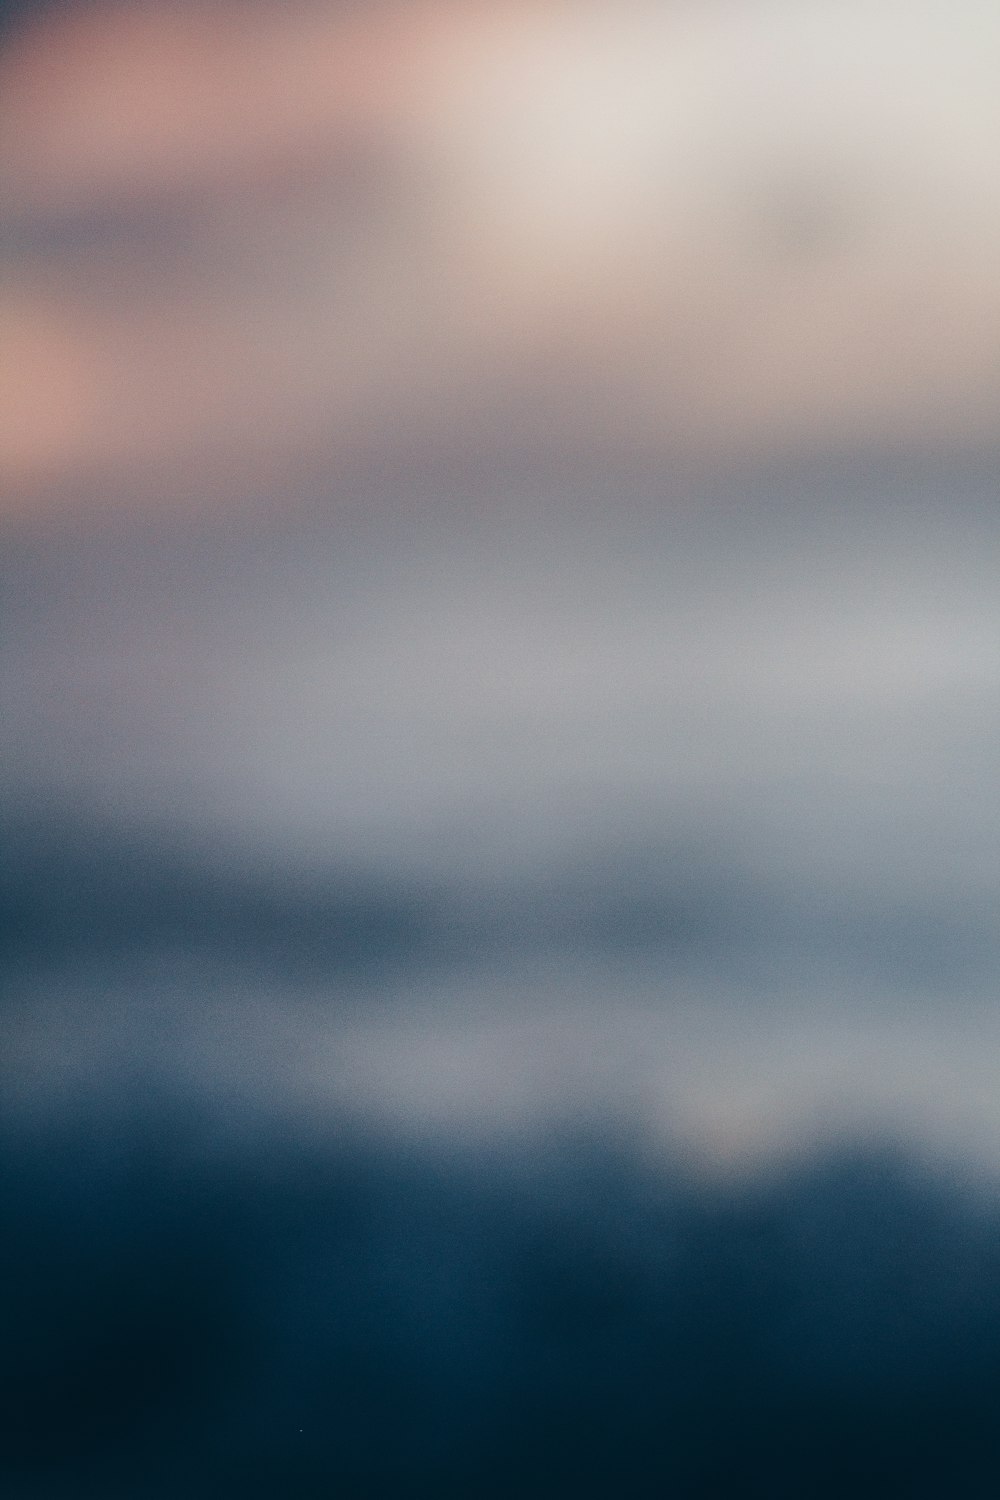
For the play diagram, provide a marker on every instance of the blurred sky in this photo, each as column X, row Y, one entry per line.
column 536, row 456
column 238, row 233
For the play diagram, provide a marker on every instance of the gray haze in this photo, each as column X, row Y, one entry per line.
column 674, row 802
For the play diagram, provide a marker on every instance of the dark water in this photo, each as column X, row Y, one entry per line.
column 189, row 1311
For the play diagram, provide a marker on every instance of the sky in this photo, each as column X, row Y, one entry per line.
column 539, row 456
column 238, row 236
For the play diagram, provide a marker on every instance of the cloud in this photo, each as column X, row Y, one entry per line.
column 687, row 233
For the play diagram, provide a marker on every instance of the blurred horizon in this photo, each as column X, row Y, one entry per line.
column 499, row 707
